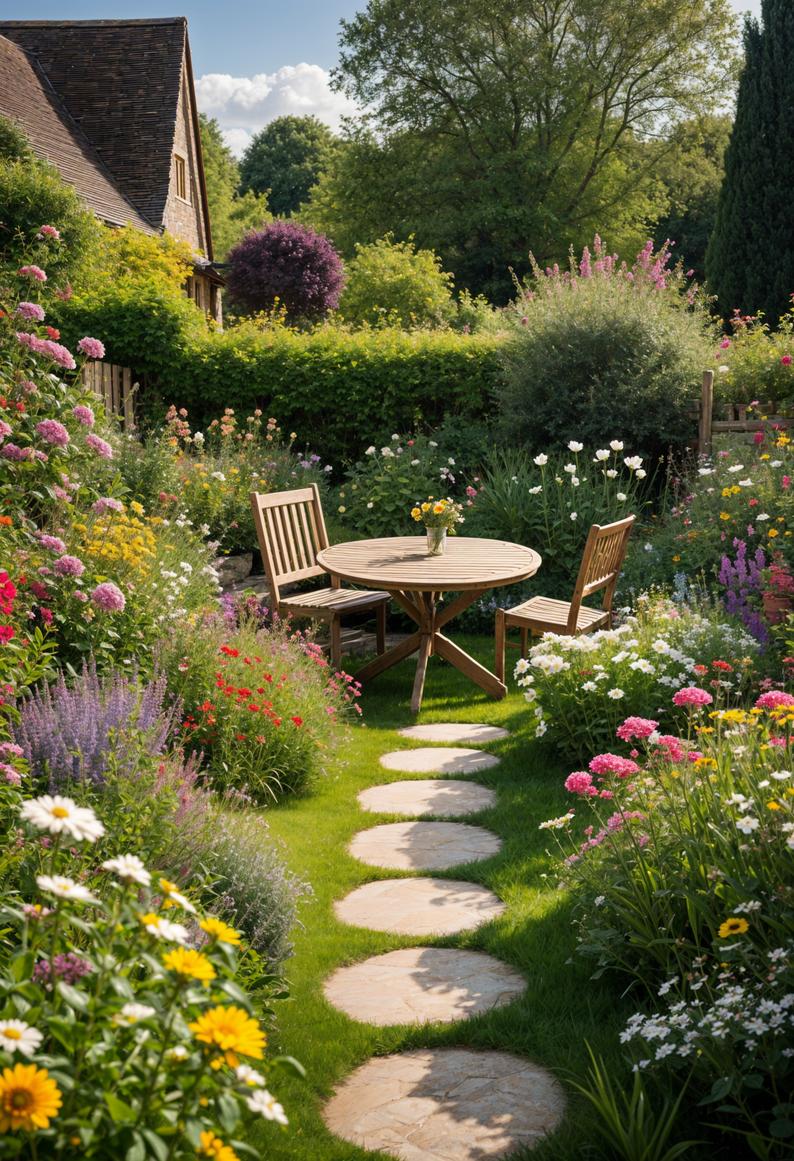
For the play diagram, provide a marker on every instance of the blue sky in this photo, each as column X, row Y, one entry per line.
column 253, row 59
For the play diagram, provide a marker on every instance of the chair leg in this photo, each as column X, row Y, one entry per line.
column 499, row 641
column 336, row 642
column 380, row 629
column 524, row 641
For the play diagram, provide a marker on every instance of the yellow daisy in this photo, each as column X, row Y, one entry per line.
column 220, row 931
column 733, row 926
column 29, row 1098
column 231, row 1031
column 192, row 964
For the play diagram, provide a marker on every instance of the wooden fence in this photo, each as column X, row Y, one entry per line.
column 739, row 418
column 115, row 387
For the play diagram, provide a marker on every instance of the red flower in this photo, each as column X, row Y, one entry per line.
column 297, row 721
column 701, row 670
column 6, row 632
column 53, row 333
column 206, row 707
column 723, row 665
column 227, row 649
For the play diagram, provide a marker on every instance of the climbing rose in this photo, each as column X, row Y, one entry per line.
column 92, row 348
column 100, row 446
column 109, row 597
column 35, row 272
column 30, row 310
column 53, row 432
column 693, row 696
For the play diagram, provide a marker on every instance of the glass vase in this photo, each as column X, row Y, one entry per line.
column 436, row 541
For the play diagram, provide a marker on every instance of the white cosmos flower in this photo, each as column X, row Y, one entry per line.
column 58, row 815
column 540, row 460
column 621, row 496
column 165, row 929
column 641, row 473
column 781, row 775
column 762, row 516
column 745, row 483
column 387, row 453
column 616, row 445
column 616, row 694
column 534, row 491
column 575, row 481
column 747, row 824
column 633, row 462
column 131, row 1013
column 178, row 1052
column 17, row 1036
column 249, row 1076
column 574, row 515
column 601, row 454
column 395, row 438
column 570, row 469
column 266, row 1104
column 370, row 450
column 611, row 473
column 736, row 468
column 64, row 888
column 575, row 446
column 130, row 868
column 589, row 687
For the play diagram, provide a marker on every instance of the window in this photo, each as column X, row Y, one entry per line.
column 180, row 175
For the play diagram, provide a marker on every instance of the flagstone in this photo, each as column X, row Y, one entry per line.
column 421, row 906
column 439, row 760
column 464, row 732
column 423, row 846
column 439, row 796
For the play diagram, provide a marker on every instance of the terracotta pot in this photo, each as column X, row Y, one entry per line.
column 777, row 606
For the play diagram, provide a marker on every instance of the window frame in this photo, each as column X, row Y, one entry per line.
column 181, row 178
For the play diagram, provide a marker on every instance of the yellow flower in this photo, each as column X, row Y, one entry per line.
column 772, row 533
column 438, row 508
column 733, row 926
column 192, row 964
column 137, row 508
column 676, row 558
column 425, row 507
column 28, row 1098
column 212, row 1146
column 220, row 931
column 772, row 805
column 416, row 513
column 725, row 515
column 230, row 1030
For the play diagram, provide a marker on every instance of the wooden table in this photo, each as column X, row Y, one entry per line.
column 400, row 565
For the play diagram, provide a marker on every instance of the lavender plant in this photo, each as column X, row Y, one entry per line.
column 743, row 581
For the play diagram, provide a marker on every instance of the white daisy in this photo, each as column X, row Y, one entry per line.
column 601, row 454
column 616, row 694
column 17, row 1036
column 64, row 888
column 249, row 1076
column 165, row 929
column 60, row 815
column 540, row 460
column 131, row 1013
column 266, row 1104
column 130, row 868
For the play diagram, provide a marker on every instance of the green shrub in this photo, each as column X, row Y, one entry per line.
column 603, row 351
column 757, row 363
column 395, row 284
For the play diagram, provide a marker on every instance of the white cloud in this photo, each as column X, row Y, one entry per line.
column 243, row 105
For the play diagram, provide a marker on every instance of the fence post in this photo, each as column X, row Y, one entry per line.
column 706, row 413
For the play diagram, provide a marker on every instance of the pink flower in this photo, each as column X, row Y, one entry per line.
column 31, row 311
column 79, row 595
column 49, row 232
column 10, row 451
column 34, row 272
column 92, row 348
column 580, row 782
column 725, row 344
column 109, row 597
column 613, row 764
column 53, row 543
column 10, row 775
column 641, row 728
column 69, row 566
column 673, row 746
column 4, row 430
column 786, row 360
column 106, row 504
column 775, row 699
column 785, row 483
column 100, row 446
column 83, row 414
column 51, row 431
column 692, row 696
column 48, row 348
column 61, row 494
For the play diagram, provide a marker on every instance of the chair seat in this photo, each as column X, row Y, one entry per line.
column 548, row 615
column 326, row 602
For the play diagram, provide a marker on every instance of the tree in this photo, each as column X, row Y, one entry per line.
column 285, row 160
column 393, row 282
column 232, row 213
column 526, row 119
column 750, row 258
column 285, row 265
column 691, row 169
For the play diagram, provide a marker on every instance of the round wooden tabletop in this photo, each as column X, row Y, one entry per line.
column 402, row 563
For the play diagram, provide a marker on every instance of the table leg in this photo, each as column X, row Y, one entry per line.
column 467, row 665
column 425, row 649
column 391, row 657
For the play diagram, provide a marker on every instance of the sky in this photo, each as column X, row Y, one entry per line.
column 253, row 60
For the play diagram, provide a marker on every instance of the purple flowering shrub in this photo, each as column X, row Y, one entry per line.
column 285, row 265
column 742, row 579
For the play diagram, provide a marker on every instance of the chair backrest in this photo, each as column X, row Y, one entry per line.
column 291, row 531
column 602, row 560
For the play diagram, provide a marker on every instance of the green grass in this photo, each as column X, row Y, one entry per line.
column 561, row 1008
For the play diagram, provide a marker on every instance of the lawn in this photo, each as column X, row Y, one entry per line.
column 561, row 1009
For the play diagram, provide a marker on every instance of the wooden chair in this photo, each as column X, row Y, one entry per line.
column 291, row 531
column 602, row 561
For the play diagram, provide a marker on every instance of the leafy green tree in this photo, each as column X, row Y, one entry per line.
column 525, row 121
column 232, row 213
column 285, row 160
column 691, row 168
column 750, row 258
column 394, row 283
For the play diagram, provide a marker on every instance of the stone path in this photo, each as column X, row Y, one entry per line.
column 423, row 846
column 447, row 1104
column 438, row 760
column 419, row 984
column 439, row 796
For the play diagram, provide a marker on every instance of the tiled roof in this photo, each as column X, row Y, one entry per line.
column 119, row 82
column 27, row 99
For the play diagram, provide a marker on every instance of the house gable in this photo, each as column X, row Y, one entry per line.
column 185, row 213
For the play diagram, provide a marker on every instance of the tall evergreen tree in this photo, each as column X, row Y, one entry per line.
column 750, row 258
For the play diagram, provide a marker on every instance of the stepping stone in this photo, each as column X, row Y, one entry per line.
column 470, row 732
column 423, row 846
column 420, row 984
column 439, row 760
column 419, row 906
column 427, row 796
column 446, row 1104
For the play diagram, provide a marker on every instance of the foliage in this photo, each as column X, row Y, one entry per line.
column 32, row 195
column 581, row 688
column 232, row 213
column 121, row 1011
column 285, row 265
column 750, row 259
column 604, row 349
column 756, row 363
column 394, row 284
column 713, row 932
column 285, row 160
column 542, row 134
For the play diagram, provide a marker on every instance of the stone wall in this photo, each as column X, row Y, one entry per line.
column 184, row 218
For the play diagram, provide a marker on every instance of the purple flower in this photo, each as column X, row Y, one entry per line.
column 107, row 504
column 53, row 543
column 84, row 414
column 30, row 310
column 34, row 272
column 109, row 597
column 68, row 967
column 10, row 451
column 53, row 432
column 10, row 750
column 69, row 566
column 99, row 445
column 92, row 348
